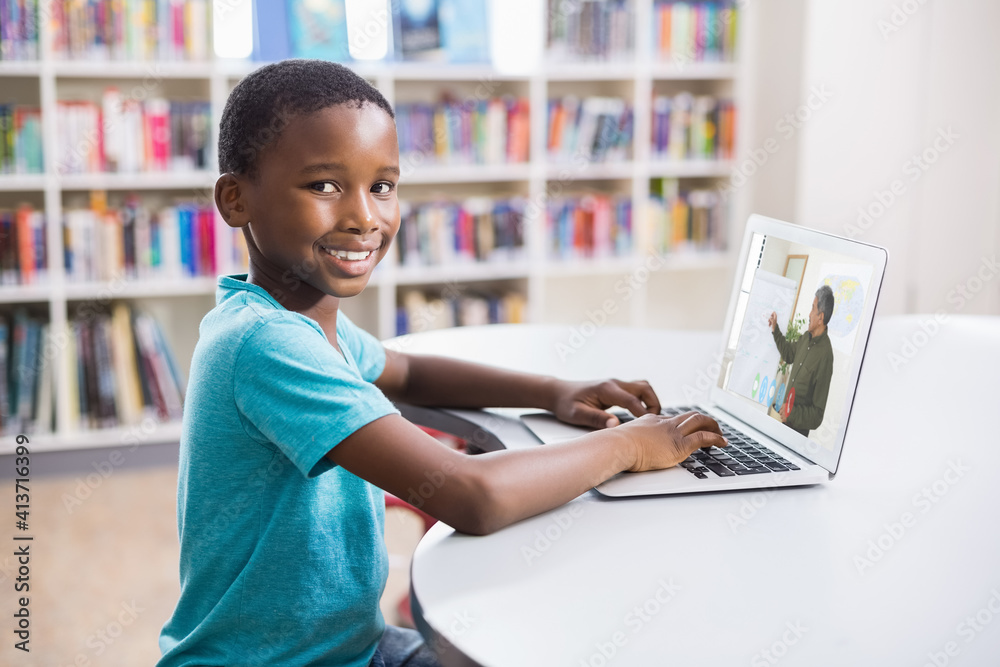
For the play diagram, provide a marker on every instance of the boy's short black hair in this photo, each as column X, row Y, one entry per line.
column 264, row 101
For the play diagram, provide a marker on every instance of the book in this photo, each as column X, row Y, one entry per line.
column 130, row 29
column 686, row 32
column 422, row 311
column 468, row 132
column 22, row 371
column 45, row 396
column 600, row 30
column 128, row 395
column 161, row 374
column 120, row 370
column 130, row 136
column 134, row 242
column 20, row 139
column 71, row 370
column 445, row 233
column 598, row 129
column 271, row 39
column 416, row 29
column 689, row 127
column 107, row 409
column 464, row 28
column 685, row 221
column 318, row 29
column 23, row 246
column 589, row 226
column 19, row 30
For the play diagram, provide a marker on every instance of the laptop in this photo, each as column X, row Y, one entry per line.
column 783, row 399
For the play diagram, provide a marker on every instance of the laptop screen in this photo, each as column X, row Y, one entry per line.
column 798, row 332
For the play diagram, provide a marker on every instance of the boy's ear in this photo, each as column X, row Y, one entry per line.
column 231, row 201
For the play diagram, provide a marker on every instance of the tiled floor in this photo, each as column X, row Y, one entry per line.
column 103, row 565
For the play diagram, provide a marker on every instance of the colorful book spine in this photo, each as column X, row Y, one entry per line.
column 465, row 32
column 478, row 132
column 474, row 230
column 19, row 30
column 23, row 247
column 689, row 127
column 687, row 32
column 598, row 129
column 315, row 29
column 422, row 311
column 589, row 226
column 24, row 367
column 679, row 221
column 130, row 136
column 20, row 140
column 590, row 30
column 416, row 28
column 130, row 29
column 133, row 242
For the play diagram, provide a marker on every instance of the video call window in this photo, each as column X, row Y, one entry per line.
column 794, row 333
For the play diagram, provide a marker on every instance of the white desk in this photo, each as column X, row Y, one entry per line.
column 718, row 579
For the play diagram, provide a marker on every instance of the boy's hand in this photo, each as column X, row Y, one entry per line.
column 663, row 442
column 583, row 403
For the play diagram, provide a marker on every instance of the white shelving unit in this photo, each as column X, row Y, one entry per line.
column 179, row 306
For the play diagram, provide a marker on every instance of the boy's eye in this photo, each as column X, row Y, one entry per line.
column 382, row 188
column 325, row 186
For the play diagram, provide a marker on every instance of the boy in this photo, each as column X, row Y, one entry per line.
column 288, row 425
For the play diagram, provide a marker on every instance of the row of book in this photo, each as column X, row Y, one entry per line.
column 464, row 132
column 590, row 30
column 22, row 246
column 19, row 30
column 589, row 226
column 685, row 32
column 455, row 306
column 20, row 139
column 477, row 229
column 692, row 220
column 125, row 371
column 598, row 129
column 130, row 29
column 134, row 242
column 119, row 371
column 455, row 31
column 129, row 136
column 689, row 127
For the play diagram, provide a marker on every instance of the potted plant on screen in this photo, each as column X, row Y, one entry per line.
column 795, row 330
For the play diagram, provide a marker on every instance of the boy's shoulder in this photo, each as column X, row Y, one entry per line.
column 246, row 316
column 244, row 312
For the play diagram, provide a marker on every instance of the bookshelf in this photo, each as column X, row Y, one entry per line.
column 554, row 290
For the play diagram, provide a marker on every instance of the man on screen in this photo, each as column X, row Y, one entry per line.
column 811, row 357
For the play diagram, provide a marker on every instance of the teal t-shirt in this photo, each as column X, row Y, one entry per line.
column 282, row 558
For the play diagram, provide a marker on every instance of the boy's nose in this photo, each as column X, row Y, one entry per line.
column 358, row 216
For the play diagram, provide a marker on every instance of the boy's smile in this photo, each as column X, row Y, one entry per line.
column 322, row 210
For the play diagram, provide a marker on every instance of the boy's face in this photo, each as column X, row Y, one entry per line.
column 323, row 208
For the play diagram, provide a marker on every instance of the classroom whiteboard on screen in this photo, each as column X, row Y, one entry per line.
column 756, row 361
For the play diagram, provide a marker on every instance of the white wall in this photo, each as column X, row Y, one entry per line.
column 897, row 86
column 774, row 32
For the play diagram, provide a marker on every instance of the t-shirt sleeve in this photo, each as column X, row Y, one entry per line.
column 296, row 391
column 367, row 350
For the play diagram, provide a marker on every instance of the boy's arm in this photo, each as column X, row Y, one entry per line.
column 445, row 382
column 483, row 493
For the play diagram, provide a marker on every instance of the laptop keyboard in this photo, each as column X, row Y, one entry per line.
column 743, row 456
